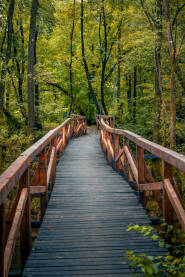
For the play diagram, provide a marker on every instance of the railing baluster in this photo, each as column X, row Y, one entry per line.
column 167, row 173
column 126, row 162
column 116, row 152
column 2, row 237
column 25, row 230
column 43, row 182
column 141, row 173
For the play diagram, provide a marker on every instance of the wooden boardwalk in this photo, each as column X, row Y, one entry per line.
column 84, row 229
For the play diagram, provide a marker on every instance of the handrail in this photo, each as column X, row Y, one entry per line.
column 48, row 149
column 139, row 173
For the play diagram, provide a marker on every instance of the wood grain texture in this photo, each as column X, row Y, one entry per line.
column 84, row 229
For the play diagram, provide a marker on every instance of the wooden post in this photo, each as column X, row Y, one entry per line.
column 167, row 172
column 126, row 163
column 2, row 238
column 25, row 230
column 43, row 182
column 141, row 173
column 64, row 136
column 116, row 152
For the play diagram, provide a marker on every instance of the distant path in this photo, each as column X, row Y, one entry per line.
column 84, row 229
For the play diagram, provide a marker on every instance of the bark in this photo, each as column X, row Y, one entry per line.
column 8, row 54
column 71, row 61
column 91, row 90
column 134, row 94
column 171, row 49
column 129, row 91
column 31, row 62
column 20, row 77
column 157, row 61
column 119, row 56
column 104, row 61
column 38, row 124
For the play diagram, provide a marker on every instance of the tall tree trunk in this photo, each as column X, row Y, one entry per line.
column 119, row 56
column 31, row 62
column 8, row 55
column 171, row 49
column 71, row 60
column 157, row 62
column 38, row 124
column 85, row 62
column 20, row 77
column 134, row 94
column 129, row 91
column 104, row 61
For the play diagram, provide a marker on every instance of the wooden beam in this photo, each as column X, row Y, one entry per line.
column 167, row 173
column 151, row 186
column 131, row 162
column 2, row 238
column 25, row 230
column 110, row 148
column 149, row 178
column 50, row 165
column 60, row 144
column 168, row 155
column 119, row 155
column 37, row 189
column 179, row 210
column 43, row 182
column 10, row 245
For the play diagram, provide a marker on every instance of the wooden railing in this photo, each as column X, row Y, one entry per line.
column 166, row 191
column 33, row 172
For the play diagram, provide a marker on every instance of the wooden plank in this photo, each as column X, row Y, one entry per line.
column 43, row 182
column 37, row 189
column 175, row 202
column 151, row 186
column 150, row 179
column 2, row 237
column 60, row 144
column 131, row 162
column 141, row 173
column 10, row 245
column 111, row 151
column 167, row 173
column 11, row 176
column 84, row 229
column 169, row 156
column 25, row 229
column 50, row 166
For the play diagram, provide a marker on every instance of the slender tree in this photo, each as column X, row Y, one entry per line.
column 91, row 90
column 7, row 56
column 31, row 62
column 71, row 59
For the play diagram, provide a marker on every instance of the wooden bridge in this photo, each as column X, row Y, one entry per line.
column 83, row 231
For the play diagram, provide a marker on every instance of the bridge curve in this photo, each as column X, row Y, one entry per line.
column 84, row 229
column 83, row 232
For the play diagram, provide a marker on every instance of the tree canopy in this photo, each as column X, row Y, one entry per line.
column 58, row 57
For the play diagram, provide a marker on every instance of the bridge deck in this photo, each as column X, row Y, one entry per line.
column 84, row 229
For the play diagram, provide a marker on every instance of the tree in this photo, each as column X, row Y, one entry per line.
column 31, row 62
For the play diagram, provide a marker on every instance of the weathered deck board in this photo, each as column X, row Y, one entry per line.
column 84, row 229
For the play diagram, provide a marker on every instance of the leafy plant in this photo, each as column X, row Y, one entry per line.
column 170, row 264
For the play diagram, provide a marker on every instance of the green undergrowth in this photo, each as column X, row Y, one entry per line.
column 170, row 264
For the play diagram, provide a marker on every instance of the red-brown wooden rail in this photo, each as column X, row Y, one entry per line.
column 166, row 191
column 18, row 175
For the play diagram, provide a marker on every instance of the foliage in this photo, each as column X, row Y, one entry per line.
column 170, row 264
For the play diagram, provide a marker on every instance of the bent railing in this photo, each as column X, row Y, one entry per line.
column 33, row 172
column 165, row 191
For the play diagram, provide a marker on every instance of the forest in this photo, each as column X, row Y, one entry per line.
column 62, row 57
column 120, row 58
